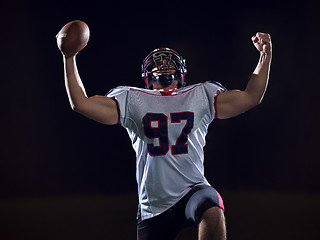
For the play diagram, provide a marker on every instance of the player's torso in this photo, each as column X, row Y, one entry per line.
column 168, row 134
column 160, row 117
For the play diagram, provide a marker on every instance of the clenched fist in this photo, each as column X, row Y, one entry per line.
column 262, row 42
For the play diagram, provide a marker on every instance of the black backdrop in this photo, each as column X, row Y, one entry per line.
column 47, row 149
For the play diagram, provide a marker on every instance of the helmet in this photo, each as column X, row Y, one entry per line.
column 160, row 55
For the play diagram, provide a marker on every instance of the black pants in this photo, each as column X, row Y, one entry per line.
column 187, row 212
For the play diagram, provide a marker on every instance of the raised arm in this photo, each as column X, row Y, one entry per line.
column 235, row 102
column 99, row 108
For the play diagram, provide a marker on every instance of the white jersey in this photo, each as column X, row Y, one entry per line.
column 168, row 133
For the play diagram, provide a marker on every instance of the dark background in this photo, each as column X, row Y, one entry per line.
column 50, row 151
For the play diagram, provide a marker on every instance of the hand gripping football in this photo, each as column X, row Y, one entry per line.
column 73, row 37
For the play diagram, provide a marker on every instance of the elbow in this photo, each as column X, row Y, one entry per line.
column 257, row 102
column 254, row 102
column 251, row 103
column 76, row 107
column 73, row 106
column 253, row 98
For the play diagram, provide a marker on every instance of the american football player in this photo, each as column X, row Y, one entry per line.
column 167, row 123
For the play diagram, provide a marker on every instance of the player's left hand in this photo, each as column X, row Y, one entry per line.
column 262, row 42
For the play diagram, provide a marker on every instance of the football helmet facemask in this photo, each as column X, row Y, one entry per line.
column 164, row 65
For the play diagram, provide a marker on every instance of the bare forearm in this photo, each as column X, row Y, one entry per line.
column 258, row 82
column 74, row 87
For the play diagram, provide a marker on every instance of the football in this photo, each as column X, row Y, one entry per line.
column 73, row 37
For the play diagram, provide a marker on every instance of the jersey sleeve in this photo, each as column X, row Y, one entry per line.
column 120, row 95
column 213, row 89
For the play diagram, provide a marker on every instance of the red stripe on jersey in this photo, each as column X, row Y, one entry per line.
column 155, row 92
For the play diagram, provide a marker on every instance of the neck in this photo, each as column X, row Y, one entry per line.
column 168, row 88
